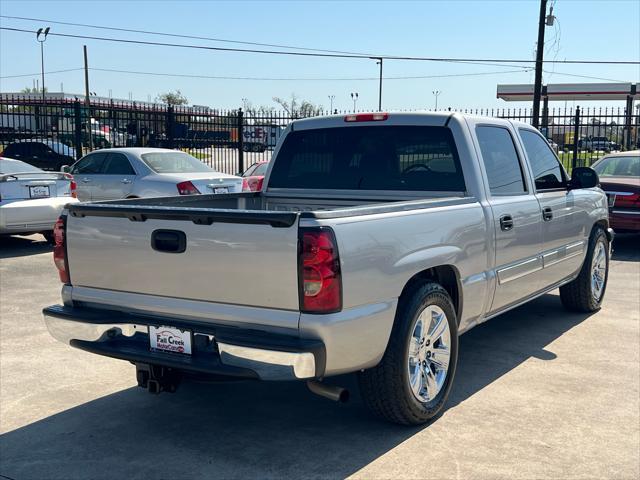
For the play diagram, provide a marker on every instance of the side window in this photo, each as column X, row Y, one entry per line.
column 117, row 164
column 547, row 170
column 90, row 164
column 501, row 162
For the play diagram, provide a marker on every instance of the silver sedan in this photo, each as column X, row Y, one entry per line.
column 115, row 173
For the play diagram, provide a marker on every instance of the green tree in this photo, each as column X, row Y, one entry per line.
column 172, row 98
column 33, row 90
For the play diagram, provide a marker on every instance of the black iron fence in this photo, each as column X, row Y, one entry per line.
column 61, row 130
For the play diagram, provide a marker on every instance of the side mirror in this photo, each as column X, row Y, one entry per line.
column 584, row 177
column 65, row 169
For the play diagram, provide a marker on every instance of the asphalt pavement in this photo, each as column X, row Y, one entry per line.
column 539, row 393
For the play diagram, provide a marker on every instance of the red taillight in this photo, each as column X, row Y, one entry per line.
column 73, row 186
column 187, row 188
column 631, row 200
column 366, row 117
column 320, row 278
column 245, row 185
column 59, row 250
column 258, row 185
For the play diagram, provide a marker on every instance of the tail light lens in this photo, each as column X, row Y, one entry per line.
column 187, row 188
column 258, row 185
column 367, row 117
column 60, row 249
column 73, row 186
column 245, row 185
column 320, row 277
column 627, row 200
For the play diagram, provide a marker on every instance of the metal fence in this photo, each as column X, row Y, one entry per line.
column 232, row 140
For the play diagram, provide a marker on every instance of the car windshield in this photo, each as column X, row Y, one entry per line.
column 619, row 167
column 16, row 166
column 174, row 162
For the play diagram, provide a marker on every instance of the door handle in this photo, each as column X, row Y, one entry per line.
column 126, row 180
column 547, row 214
column 506, row 223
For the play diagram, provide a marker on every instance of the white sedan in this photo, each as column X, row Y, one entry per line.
column 115, row 173
column 31, row 199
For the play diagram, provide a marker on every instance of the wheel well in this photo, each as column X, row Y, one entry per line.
column 604, row 224
column 131, row 196
column 446, row 275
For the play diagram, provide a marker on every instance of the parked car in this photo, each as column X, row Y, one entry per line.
column 620, row 179
column 253, row 177
column 116, row 173
column 31, row 199
column 45, row 154
column 595, row 144
column 375, row 242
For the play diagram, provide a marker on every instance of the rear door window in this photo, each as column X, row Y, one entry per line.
column 117, row 164
column 385, row 158
column 501, row 161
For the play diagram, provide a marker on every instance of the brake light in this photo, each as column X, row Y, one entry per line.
column 73, row 186
column 258, row 185
column 245, row 185
column 320, row 277
column 60, row 249
column 187, row 188
column 630, row 200
column 366, row 117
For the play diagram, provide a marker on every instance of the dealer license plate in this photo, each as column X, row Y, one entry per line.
column 170, row 339
column 39, row 191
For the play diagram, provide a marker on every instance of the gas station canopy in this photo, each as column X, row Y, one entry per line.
column 571, row 91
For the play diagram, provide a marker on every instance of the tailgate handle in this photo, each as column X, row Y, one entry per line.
column 169, row 241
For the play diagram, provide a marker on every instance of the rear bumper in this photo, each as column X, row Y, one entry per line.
column 217, row 350
column 31, row 215
column 625, row 220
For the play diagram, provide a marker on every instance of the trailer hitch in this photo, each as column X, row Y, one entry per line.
column 156, row 379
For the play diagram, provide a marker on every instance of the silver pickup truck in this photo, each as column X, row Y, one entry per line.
column 376, row 241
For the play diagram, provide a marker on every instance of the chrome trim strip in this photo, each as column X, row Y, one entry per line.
column 519, row 270
column 622, row 194
column 563, row 253
column 626, row 212
column 269, row 364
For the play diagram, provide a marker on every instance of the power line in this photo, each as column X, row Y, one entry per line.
column 176, row 35
column 325, row 55
column 38, row 73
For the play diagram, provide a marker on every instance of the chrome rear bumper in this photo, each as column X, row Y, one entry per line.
column 217, row 350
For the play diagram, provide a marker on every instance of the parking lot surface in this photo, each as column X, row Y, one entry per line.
column 539, row 393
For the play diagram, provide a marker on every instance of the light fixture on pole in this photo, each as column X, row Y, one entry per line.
column 436, row 94
column 354, row 97
column 41, row 37
column 331, row 97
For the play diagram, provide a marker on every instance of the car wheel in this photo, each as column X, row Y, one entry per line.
column 586, row 292
column 412, row 382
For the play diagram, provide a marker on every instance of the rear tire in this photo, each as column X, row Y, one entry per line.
column 412, row 382
column 586, row 292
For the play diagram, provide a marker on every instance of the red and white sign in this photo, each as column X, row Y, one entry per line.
column 170, row 339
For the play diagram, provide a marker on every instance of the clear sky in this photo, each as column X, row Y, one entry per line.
column 602, row 29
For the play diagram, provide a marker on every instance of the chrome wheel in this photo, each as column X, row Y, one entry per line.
column 598, row 270
column 429, row 353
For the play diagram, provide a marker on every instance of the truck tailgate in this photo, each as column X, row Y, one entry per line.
column 252, row 263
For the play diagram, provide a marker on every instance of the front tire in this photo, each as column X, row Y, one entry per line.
column 586, row 292
column 412, row 382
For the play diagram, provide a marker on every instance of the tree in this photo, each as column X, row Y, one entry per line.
column 172, row 98
column 298, row 108
column 33, row 90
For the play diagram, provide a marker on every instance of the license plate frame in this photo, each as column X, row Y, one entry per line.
column 167, row 339
column 220, row 190
column 39, row 191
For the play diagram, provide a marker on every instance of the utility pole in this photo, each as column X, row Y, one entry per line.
column 331, row 97
column 354, row 97
column 87, row 101
column 41, row 37
column 537, row 87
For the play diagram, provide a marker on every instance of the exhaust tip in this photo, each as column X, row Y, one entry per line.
column 332, row 392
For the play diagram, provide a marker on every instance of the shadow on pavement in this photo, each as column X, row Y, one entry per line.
column 626, row 248
column 14, row 246
column 253, row 429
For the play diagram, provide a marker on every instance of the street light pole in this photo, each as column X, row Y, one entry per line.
column 436, row 93
column 41, row 37
column 379, row 62
column 354, row 97
column 331, row 97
